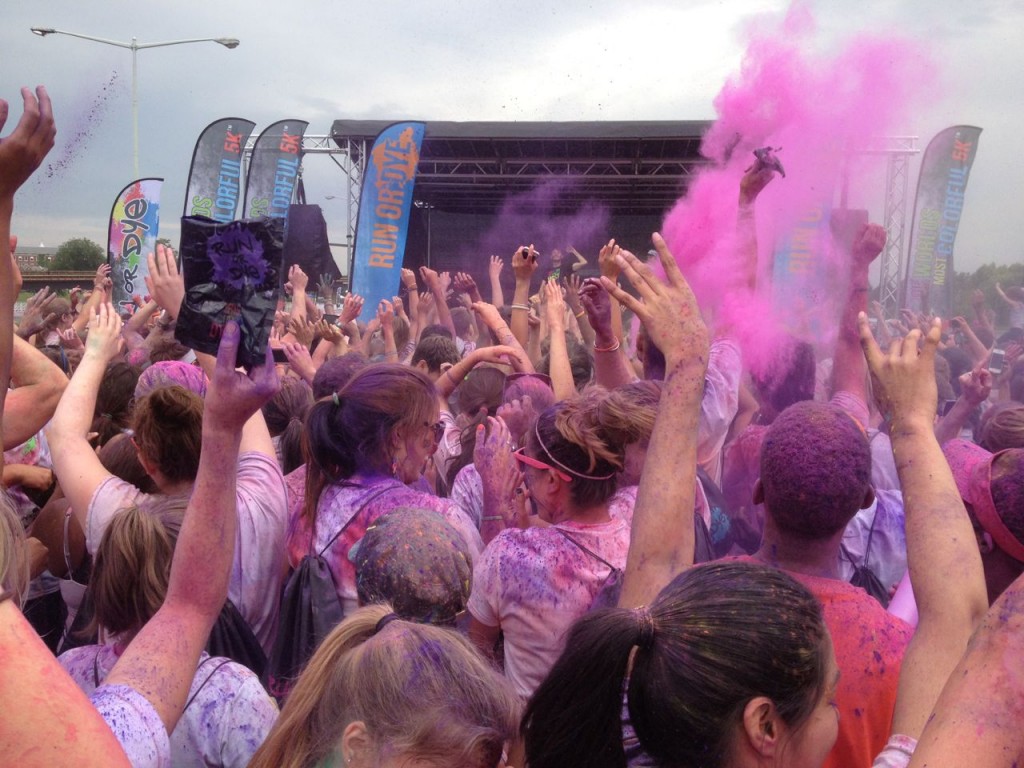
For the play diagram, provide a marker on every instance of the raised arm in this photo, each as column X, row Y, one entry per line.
column 611, row 368
column 662, row 542
column 559, row 366
column 75, row 462
column 942, row 552
column 848, row 372
column 298, row 281
column 494, row 322
column 160, row 662
column 20, row 155
column 494, row 268
column 524, row 264
column 433, row 282
column 39, row 385
column 975, row 387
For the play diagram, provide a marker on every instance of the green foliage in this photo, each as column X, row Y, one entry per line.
column 79, row 254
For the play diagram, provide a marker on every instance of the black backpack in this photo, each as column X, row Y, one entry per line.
column 233, row 638
column 310, row 609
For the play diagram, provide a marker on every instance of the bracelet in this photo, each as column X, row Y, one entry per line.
column 487, row 518
column 579, row 314
column 613, row 348
column 521, row 306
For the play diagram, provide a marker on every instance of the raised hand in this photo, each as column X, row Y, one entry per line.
column 525, row 262
column 69, row 339
column 164, row 282
column 869, row 243
column 232, row 397
column 668, row 310
column 386, row 316
column 408, row 279
column 554, row 305
column 904, row 378
column 598, row 306
column 606, row 260
column 24, row 149
column 573, row 283
column 36, row 314
column 104, row 341
column 351, row 308
column 495, row 267
column 464, row 283
column 303, row 330
column 325, row 287
column 297, row 278
column 976, row 385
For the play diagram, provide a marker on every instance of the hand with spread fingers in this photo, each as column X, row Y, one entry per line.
column 23, row 150
column 668, row 310
column 164, row 282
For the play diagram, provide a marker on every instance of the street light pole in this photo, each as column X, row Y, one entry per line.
column 135, row 46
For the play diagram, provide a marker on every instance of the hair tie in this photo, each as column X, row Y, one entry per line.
column 644, row 627
column 336, row 400
column 107, row 416
column 384, row 621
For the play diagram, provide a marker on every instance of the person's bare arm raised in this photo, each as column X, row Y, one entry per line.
column 662, row 541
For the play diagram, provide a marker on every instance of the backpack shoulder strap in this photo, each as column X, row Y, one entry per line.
column 585, row 549
column 203, row 684
column 370, row 497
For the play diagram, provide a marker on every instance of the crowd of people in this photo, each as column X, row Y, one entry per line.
column 573, row 529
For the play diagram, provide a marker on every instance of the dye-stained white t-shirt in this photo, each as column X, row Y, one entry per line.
column 227, row 717
column 135, row 723
column 258, row 566
column 535, row 583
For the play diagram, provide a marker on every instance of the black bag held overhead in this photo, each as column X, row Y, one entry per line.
column 232, row 271
column 310, row 609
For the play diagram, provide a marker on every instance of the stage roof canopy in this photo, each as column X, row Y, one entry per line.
column 473, row 167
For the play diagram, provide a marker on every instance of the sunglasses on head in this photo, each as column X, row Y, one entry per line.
column 529, row 461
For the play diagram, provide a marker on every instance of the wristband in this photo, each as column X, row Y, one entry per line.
column 579, row 314
column 492, row 517
column 613, row 348
column 521, row 306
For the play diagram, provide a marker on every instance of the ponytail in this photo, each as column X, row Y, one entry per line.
column 558, row 731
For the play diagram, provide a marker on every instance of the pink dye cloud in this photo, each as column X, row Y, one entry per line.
column 817, row 100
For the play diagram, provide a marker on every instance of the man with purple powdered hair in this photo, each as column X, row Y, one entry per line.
column 815, row 476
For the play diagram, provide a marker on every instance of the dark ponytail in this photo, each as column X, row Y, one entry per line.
column 716, row 637
column 575, row 716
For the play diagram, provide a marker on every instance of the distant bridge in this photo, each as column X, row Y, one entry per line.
column 57, row 280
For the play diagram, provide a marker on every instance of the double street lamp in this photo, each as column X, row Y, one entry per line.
column 135, row 46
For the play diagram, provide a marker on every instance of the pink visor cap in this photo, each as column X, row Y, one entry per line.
column 972, row 470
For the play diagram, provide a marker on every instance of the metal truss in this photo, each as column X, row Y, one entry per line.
column 898, row 150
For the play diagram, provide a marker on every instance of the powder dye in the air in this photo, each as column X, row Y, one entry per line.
column 823, row 102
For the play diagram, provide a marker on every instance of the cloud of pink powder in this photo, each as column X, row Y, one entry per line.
column 819, row 100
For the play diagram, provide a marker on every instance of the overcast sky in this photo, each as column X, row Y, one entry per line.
column 483, row 60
